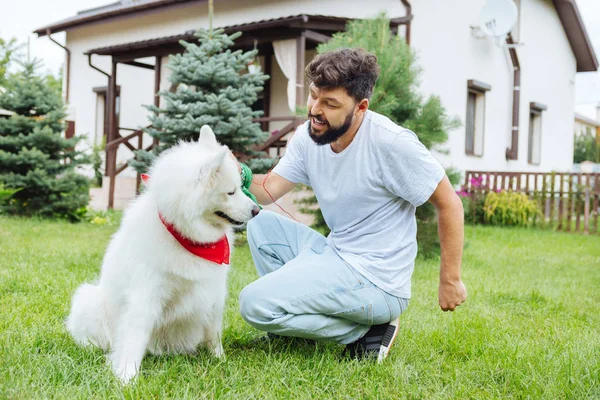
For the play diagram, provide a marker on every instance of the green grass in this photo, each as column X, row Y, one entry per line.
column 530, row 328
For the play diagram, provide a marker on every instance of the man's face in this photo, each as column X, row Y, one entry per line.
column 331, row 112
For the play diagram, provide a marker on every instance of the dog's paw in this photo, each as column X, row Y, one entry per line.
column 218, row 351
column 126, row 372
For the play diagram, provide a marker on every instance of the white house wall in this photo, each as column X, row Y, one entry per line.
column 450, row 55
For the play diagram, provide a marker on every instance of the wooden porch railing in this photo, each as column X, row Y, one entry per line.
column 111, row 156
column 274, row 141
column 571, row 200
column 276, row 138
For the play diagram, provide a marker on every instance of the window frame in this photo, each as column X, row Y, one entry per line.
column 479, row 89
column 535, row 113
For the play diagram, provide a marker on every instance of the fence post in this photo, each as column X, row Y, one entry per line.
column 586, row 212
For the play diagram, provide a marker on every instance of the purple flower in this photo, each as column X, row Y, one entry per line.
column 476, row 182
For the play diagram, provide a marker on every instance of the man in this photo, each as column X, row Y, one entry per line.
column 368, row 175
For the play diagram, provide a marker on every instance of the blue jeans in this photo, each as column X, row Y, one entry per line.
column 305, row 289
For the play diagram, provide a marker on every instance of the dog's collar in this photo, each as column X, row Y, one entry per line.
column 217, row 252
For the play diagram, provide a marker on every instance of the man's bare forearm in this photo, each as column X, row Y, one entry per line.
column 451, row 233
column 258, row 189
column 452, row 292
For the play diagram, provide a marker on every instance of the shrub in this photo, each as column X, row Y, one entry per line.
column 509, row 209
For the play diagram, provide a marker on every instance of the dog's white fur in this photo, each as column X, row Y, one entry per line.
column 153, row 295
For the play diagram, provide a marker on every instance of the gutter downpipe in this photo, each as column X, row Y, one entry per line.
column 96, row 68
column 408, row 14
column 68, row 66
column 512, row 152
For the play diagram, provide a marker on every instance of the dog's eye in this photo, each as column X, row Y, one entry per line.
column 231, row 193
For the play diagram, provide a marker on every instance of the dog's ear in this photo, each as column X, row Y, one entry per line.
column 207, row 135
column 209, row 172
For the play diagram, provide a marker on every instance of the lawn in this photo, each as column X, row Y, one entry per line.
column 529, row 329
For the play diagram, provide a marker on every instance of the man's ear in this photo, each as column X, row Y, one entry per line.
column 363, row 106
column 209, row 172
column 207, row 135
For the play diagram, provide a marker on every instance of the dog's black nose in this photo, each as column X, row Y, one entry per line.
column 255, row 211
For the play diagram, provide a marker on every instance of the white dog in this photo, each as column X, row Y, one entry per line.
column 162, row 287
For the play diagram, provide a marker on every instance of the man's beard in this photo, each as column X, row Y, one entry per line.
column 332, row 133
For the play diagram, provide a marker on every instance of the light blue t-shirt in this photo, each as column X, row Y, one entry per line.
column 368, row 194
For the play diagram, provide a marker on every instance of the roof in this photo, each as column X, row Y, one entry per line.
column 569, row 15
column 5, row 113
column 318, row 23
column 567, row 10
column 118, row 9
column 587, row 120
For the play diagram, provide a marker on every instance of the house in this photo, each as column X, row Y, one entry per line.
column 585, row 125
column 515, row 98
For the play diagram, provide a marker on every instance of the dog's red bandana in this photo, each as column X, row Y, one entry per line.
column 217, row 252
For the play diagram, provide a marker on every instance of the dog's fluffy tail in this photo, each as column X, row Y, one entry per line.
column 86, row 322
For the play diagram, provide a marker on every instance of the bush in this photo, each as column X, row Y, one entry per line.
column 473, row 208
column 510, row 209
column 5, row 195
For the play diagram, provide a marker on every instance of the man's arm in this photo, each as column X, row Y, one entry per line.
column 275, row 186
column 452, row 291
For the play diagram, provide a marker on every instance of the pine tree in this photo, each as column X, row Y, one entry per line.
column 35, row 158
column 213, row 88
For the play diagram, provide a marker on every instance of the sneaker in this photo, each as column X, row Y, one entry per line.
column 376, row 343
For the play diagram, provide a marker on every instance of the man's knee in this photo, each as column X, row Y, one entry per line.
column 257, row 223
column 259, row 228
column 254, row 307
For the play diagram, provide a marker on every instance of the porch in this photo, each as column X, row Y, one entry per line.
column 295, row 37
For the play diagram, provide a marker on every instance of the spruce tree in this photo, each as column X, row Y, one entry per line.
column 35, row 158
column 213, row 88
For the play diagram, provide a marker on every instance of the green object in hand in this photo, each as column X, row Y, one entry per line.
column 246, row 182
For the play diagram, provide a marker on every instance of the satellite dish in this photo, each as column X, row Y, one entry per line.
column 498, row 17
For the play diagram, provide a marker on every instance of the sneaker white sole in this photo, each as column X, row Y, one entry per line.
column 388, row 340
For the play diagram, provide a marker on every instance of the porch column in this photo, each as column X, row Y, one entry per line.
column 157, row 79
column 111, row 151
column 300, row 62
column 267, row 89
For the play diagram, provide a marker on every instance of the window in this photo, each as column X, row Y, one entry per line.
column 475, row 120
column 534, row 147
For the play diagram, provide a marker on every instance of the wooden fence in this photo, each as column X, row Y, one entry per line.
column 570, row 201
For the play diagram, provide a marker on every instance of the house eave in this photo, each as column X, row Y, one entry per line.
column 77, row 21
column 580, row 43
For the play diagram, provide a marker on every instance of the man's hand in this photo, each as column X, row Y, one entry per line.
column 451, row 294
